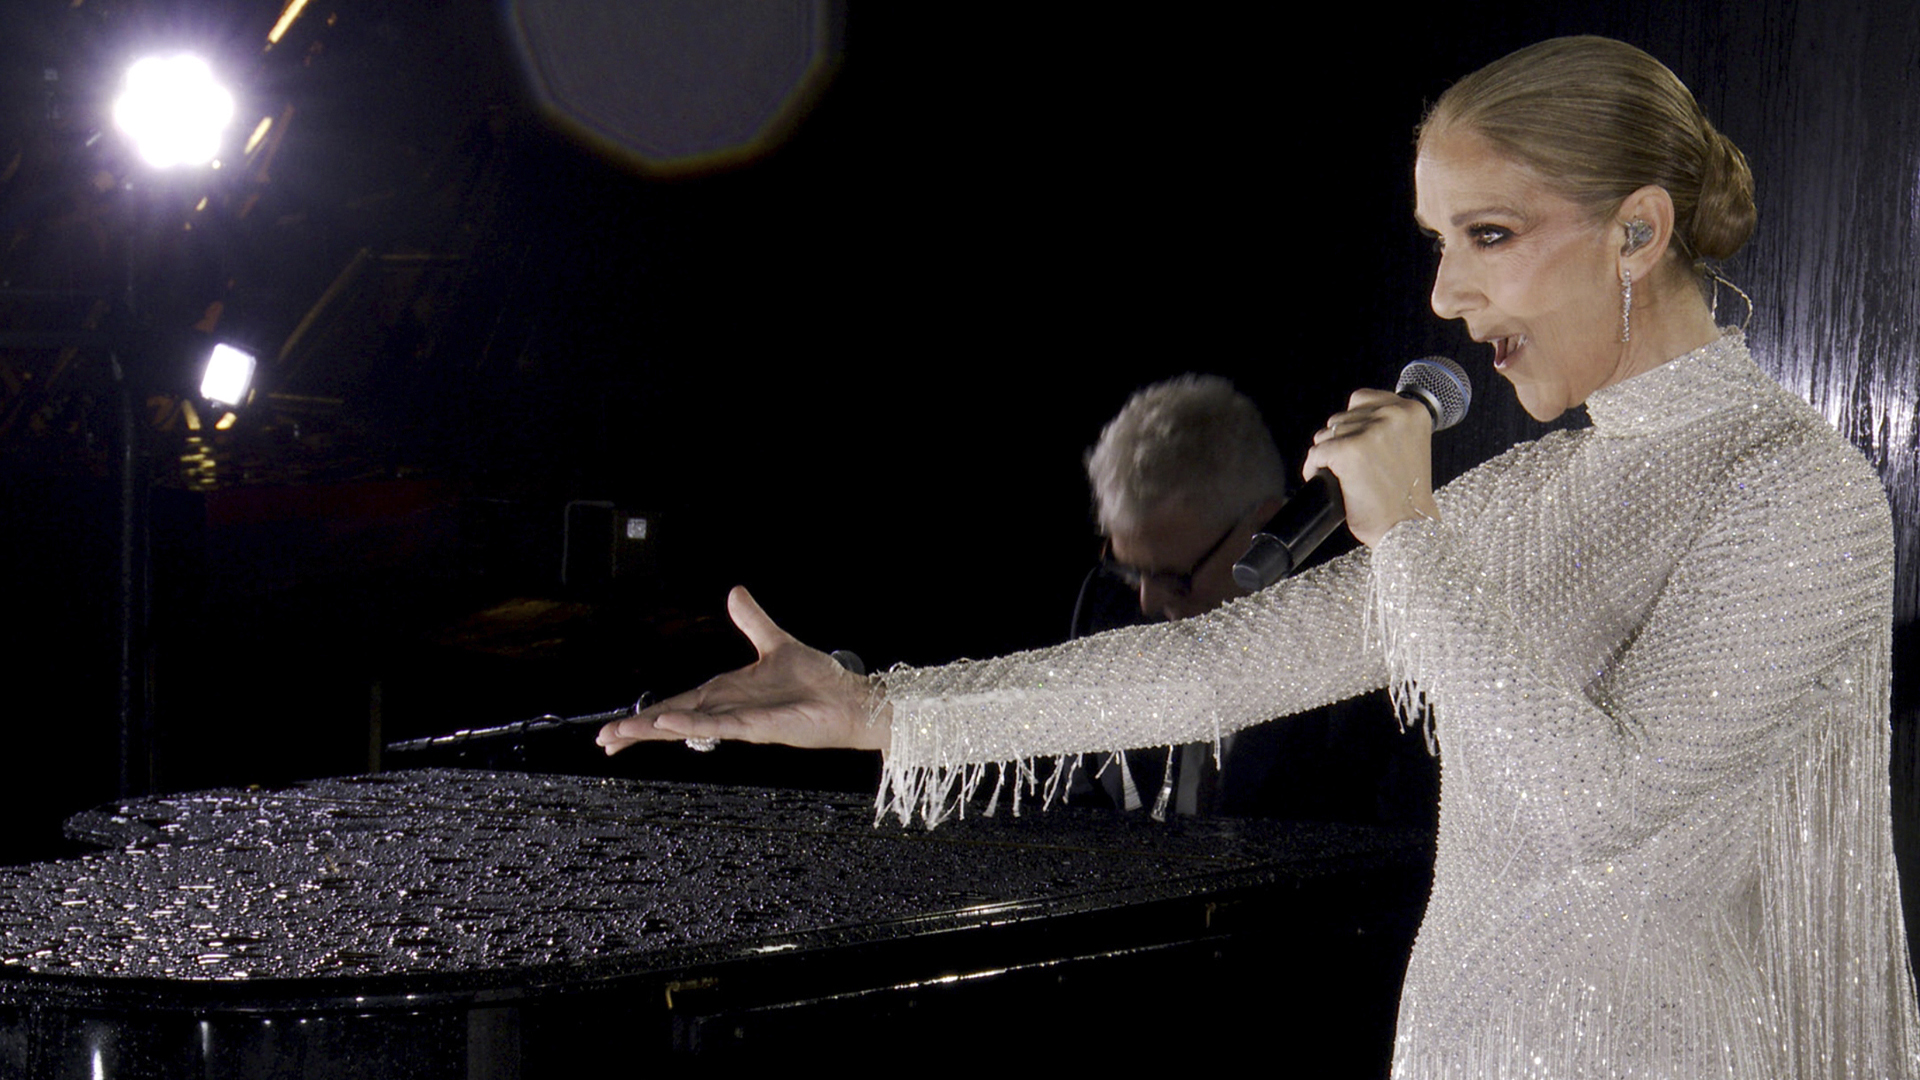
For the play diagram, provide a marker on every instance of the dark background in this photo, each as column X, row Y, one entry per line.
column 856, row 373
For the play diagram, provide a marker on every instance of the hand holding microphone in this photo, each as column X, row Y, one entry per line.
column 1385, row 467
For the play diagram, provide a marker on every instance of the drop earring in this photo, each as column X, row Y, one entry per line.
column 1639, row 235
column 1626, row 304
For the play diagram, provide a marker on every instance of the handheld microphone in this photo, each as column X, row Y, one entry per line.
column 1312, row 515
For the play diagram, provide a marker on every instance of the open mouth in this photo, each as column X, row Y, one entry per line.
column 1506, row 348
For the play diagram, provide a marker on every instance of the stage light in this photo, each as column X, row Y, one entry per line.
column 228, row 374
column 173, row 110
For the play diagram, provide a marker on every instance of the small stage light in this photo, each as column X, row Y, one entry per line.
column 229, row 372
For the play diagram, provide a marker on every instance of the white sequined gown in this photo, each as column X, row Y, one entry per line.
column 1657, row 657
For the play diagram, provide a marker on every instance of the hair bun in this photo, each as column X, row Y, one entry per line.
column 1724, row 218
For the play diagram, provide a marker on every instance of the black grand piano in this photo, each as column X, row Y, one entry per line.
column 468, row 924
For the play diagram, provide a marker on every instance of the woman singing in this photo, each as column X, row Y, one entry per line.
column 1654, row 653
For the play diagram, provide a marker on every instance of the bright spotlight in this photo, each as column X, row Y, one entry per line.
column 229, row 372
column 173, row 110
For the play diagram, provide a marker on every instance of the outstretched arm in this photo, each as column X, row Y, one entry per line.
column 793, row 694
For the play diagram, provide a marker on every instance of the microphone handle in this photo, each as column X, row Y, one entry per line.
column 1308, row 519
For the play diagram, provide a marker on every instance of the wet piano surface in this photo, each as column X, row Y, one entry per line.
column 479, row 924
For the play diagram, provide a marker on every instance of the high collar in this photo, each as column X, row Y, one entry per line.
column 1718, row 375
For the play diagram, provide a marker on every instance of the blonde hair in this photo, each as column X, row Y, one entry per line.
column 1599, row 119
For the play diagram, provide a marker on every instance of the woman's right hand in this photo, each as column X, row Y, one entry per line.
column 1381, row 448
column 793, row 694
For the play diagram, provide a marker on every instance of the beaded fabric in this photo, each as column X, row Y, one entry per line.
column 1655, row 654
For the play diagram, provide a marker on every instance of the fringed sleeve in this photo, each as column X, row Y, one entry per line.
column 957, row 727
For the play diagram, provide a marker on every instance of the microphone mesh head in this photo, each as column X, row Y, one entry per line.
column 1442, row 384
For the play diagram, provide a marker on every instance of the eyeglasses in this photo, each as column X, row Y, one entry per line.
column 1179, row 584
